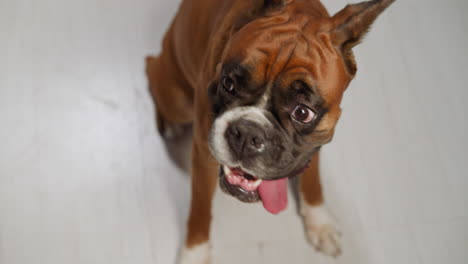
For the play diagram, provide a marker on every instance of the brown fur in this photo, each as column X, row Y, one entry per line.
column 202, row 35
column 309, row 184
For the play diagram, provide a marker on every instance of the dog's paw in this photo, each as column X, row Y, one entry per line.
column 322, row 231
column 198, row 254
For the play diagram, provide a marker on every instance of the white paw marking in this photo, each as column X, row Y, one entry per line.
column 198, row 254
column 322, row 231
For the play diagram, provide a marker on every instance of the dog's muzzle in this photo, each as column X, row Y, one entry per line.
column 255, row 162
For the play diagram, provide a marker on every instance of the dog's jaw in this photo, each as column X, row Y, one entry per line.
column 236, row 191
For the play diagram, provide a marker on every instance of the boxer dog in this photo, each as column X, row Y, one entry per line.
column 261, row 81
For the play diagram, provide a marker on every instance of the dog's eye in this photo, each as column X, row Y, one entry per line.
column 228, row 85
column 303, row 114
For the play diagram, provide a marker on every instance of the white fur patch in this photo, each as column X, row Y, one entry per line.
column 199, row 254
column 262, row 103
column 322, row 231
column 218, row 144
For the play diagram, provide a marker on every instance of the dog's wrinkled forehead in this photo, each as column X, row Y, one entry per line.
column 281, row 61
column 278, row 51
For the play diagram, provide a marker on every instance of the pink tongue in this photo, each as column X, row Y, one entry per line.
column 274, row 195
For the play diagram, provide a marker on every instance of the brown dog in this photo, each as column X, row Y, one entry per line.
column 262, row 82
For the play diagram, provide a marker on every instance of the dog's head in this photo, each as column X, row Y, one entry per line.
column 276, row 97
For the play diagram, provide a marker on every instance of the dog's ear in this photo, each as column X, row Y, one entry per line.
column 268, row 4
column 251, row 11
column 351, row 24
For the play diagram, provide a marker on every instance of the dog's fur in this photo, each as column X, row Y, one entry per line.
column 276, row 54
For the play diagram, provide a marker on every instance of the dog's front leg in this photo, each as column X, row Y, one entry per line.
column 321, row 228
column 196, row 249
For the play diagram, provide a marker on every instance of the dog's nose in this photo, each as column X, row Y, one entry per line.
column 245, row 138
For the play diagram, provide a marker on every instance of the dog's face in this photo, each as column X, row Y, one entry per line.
column 276, row 99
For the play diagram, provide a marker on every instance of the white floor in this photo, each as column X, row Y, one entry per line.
column 84, row 177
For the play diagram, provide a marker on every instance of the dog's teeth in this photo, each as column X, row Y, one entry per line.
column 227, row 171
column 257, row 183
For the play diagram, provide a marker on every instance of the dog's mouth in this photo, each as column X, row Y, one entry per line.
column 248, row 188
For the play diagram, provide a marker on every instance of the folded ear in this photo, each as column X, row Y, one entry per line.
column 251, row 11
column 273, row 3
column 351, row 24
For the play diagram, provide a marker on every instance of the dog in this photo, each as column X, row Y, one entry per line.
column 261, row 82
